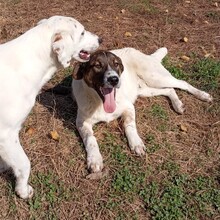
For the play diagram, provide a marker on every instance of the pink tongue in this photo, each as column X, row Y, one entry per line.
column 109, row 103
column 84, row 55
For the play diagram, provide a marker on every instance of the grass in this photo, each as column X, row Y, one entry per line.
column 158, row 188
column 179, row 179
column 138, row 7
column 205, row 72
column 176, row 71
column 152, row 145
column 54, row 192
column 158, row 112
column 182, row 197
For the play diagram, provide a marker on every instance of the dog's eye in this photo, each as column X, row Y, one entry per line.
column 98, row 66
column 116, row 64
column 82, row 33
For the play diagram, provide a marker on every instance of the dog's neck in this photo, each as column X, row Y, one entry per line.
column 44, row 62
column 91, row 94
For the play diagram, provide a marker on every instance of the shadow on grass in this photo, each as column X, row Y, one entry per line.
column 58, row 100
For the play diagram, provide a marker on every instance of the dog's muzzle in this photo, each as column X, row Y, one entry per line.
column 113, row 80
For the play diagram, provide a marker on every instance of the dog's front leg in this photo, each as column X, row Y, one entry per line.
column 14, row 156
column 135, row 142
column 94, row 157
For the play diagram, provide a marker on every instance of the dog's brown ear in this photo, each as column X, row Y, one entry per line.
column 62, row 43
column 78, row 71
column 121, row 67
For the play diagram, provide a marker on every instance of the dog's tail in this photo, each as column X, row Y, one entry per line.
column 160, row 53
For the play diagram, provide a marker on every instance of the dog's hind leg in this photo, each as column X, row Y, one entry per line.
column 14, row 156
column 135, row 142
column 149, row 92
column 169, row 81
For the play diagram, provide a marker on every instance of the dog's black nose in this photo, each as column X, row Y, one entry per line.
column 113, row 80
column 100, row 40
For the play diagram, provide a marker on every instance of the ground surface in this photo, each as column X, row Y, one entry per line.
column 180, row 177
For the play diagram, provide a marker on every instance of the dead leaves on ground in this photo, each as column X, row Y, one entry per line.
column 54, row 135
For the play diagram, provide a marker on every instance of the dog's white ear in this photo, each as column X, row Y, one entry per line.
column 61, row 45
column 42, row 21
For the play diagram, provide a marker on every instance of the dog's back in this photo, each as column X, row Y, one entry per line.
column 145, row 67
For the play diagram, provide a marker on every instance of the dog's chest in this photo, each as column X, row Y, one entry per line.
column 105, row 117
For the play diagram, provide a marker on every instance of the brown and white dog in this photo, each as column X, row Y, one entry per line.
column 106, row 87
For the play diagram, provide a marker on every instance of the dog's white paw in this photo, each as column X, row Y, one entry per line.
column 178, row 107
column 204, row 96
column 25, row 193
column 95, row 163
column 139, row 149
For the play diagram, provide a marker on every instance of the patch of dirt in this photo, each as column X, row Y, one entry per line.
column 160, row 23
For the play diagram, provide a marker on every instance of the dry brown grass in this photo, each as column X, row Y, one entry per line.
column 195, row 151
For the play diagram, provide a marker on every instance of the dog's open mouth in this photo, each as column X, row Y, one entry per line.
column 84, row 55
column 109, row 99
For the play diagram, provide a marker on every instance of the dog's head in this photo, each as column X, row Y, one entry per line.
column 102, row 73
column 70, row 40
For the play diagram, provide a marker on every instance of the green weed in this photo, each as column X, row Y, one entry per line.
column 159, row 112
column 171, row 167
column 207, row 73
column 124, row 181
column 213, row 15
column 180, row 197
column 152, row 146
column 128, row 179
column 118, row 155
column 51, row 194
column 12, row 204
column 177, row 72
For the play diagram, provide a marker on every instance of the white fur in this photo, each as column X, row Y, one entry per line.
column 143, row 75
column 26, row 63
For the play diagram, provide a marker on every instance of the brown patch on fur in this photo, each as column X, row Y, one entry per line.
column 127, row 117
column 57, row 37
column 93, row 71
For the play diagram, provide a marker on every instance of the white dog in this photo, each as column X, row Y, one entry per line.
column 26, row 63
column 106, row 87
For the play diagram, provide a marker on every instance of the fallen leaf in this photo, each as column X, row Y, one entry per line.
column 30, row 131
column 185, row 39
column 122, row 11
column 185, row 58
column 207, row 55
column 216, row 4
column 166, row 10
column 128, row 34
column 183, row 128
column 54, row 135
